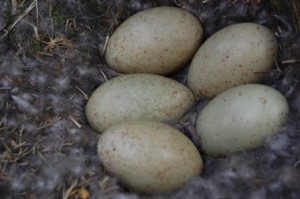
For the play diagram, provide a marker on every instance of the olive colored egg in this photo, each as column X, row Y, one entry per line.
column 236, row 55
column 241, row 118
column 136, row 97
column 159, row 40
column 149, row 157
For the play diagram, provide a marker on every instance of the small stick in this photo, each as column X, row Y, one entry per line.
column 85, row 96
column 103, row 74
column 290, row 61
column 105, row 45
column 72, row 119
column 276, row 63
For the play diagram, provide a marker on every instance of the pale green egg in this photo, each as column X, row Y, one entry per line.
column 236, row 55
column 149, row 157
column 159, row 40
column 241, row 118
column 137, row 97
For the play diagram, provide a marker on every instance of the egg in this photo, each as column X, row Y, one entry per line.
column 149, row 157
column 236, row 55
column 159, row 40
column 241, row 118
column 136, row 97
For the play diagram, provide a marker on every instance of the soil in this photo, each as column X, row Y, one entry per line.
column 51, row 60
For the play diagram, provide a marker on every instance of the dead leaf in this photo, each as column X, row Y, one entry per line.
column 83, row 193
column 7, row 156
column 14, row 144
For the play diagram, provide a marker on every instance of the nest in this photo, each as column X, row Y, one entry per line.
column 51, row 60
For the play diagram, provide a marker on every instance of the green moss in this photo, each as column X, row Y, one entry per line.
column 36, row 46
column 278, row 5
column 8, row 17
column 59, row 19
column 82, row 49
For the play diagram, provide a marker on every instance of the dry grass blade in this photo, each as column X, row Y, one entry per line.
column 296, row 13
column 85, row 96
column 50, row 122
column 103, row 74
column 67, row 193
column 105, row 45
column 26, row 11
column 24, row 154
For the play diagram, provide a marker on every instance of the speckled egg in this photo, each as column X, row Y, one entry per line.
column 241, row 118
column 136, row 97
column 159, row 40
column 149, row 157
column 236, row 55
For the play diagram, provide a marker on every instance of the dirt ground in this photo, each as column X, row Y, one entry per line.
column 51, row 60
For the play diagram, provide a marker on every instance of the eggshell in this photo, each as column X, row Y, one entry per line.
column 159, row 40
column 241, row 118
column 236, row 55
column 149, row 156
column 136, row 97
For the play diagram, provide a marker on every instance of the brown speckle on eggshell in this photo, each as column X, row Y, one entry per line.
column 149, row 157
column 159, row 40
column 235, row 55
column 135, row 97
